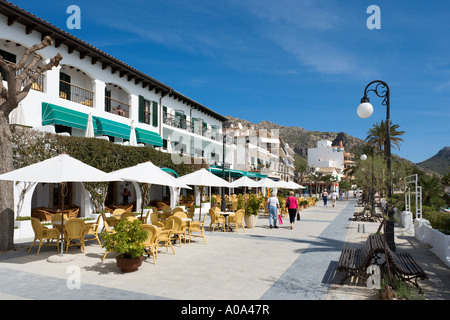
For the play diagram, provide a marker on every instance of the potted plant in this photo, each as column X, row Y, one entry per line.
column 127, row 242
column 251, row 211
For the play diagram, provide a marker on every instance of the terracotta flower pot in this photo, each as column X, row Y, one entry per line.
column 129, row 264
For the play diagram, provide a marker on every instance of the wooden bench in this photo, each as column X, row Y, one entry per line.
column 405, row 267
column 355, row 261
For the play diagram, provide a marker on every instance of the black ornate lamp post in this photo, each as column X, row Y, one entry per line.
column 372, row 190
column 365, row 109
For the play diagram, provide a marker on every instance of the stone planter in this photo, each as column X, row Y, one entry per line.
column 24, row 229
column 250, row 220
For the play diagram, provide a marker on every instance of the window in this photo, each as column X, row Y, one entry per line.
column 145, row 110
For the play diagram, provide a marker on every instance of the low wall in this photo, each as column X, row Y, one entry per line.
column 440, row 242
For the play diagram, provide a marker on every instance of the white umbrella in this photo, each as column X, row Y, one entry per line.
column 59, row 169
column 133, row 140
column 245, row 182
column 17, row 116
column 204, row 178
column 268, row 183
column 293, row 185
column 148, row 173
column 89, row 127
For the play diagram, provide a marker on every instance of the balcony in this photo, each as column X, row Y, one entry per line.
column 75, row 93
column 117, row 107
column 180, row 122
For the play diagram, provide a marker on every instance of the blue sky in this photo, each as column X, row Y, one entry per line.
column 293, row 62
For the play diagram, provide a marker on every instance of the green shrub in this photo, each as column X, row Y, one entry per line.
column 126, row 240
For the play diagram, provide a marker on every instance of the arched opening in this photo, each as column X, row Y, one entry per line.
column 117, row 100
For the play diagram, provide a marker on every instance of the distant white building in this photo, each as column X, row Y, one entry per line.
column 327, row 159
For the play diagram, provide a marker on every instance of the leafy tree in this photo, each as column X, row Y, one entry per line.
column 431, row 187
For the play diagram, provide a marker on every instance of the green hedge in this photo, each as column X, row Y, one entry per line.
column 30, row 146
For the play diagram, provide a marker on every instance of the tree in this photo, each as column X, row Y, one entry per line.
column 19, row 78
column 376, row 136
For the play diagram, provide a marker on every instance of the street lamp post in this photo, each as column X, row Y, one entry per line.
column 365, row 110
column 372, row 190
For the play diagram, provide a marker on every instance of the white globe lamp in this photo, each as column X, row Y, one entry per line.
column 363, row 157
column 365, row 109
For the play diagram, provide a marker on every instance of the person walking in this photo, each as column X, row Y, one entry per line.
column 334, row 196
column 325, row 197
column 272, row 206
column 292, row 207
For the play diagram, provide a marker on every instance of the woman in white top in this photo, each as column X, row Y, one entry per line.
column 272, row 206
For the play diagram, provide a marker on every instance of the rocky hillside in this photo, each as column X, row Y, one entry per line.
column 439, row 163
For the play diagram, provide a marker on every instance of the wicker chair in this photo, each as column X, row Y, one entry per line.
column 191, row 212
column 150, row 243
column 74, row 229
column 155, row 221
column 41, row 214
column 178, row 232
column 197, row 226
column 177, row 209
column 43, row 234
column 236, row 219
column 110, row 221
column 117, row 213
column 165, row 235
column 92, row 229
column 107, row 229
column 128, row 215
column 216, row 220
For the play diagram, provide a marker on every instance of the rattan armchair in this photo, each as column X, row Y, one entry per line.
column 178, row 232
column 191, row 212
column 165, row 235
column 197, row 226
column 106, row 229
column 216, row 220
column 236, row 219
column 92, row 229
column 74, row 229
column 150, row 243
column 43, row 234
column 177, row 209
column 128, row 215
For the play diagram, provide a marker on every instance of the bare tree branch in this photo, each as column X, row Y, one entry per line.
column 47, row 41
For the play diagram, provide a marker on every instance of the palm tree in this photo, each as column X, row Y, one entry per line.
column 377, row 136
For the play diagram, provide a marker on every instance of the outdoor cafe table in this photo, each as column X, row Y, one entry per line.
column 57, row 224
column 226, row 214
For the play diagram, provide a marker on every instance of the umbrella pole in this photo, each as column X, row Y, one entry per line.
column 62, row 187
column 201, row 197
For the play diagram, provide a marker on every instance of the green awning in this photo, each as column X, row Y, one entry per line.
column 149, row 137
column 235, row 173
column 53, row 114
column 170, row 171
column 112, row 128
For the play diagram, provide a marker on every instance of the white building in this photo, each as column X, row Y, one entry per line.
column 327, row 159
column 119, row 97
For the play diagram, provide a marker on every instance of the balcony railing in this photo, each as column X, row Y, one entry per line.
column 193, row 127
column 75, row 93
column 38, row 85
column 117, row 107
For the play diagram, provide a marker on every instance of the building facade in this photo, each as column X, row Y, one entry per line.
column 119, row 98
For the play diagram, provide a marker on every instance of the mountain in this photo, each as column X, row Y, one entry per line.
column 439, row 163
column 300, row 139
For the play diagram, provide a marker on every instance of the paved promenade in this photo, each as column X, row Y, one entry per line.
column 259, row 264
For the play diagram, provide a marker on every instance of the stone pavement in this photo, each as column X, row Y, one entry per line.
column 259, row 264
